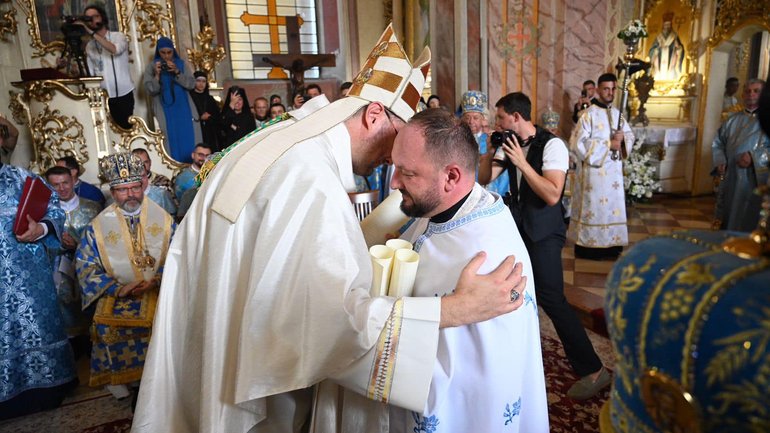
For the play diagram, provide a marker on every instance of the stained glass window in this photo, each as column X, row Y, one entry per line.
column 255, row 38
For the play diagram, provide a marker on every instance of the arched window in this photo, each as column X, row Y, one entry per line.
column 267, row 33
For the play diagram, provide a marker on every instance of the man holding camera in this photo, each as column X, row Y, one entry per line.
column 107, row 54
column 585, row 100
column 537, row 163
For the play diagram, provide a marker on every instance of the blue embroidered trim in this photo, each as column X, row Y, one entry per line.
column 529, row 299
column 424, row 425
column 512, row 410
column 497, row 207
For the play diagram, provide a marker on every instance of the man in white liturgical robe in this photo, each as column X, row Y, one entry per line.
column 266, row 285
column 598, row 196
column 488, row 377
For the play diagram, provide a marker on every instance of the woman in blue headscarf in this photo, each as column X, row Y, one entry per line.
column 167, row 79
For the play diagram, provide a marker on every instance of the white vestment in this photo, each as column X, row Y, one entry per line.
column 488, row 377
column 598, row 195
column 253, row 312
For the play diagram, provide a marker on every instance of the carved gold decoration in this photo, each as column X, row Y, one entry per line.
column 208, row 56
column 732, row 15
column 686, row 85
column 671, row 407
column 141, row 135
column 649, row 5
column 8, row 23
column 153, row 20
column 56, row 135
column 18, row 108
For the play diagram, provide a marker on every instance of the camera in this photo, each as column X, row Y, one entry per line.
column 70, row 19
column 164, row 67
column 498, row 138
column 584, row 105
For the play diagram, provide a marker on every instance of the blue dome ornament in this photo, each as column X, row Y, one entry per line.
column 689, row 319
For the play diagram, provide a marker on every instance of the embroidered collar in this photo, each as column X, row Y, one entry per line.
column 450, row 213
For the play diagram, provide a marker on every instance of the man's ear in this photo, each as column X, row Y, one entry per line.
column 453, row 175
column 372, row 114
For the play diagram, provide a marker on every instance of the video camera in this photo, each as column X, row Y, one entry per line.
column 70, row 19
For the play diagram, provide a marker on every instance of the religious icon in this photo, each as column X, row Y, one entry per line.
column 667, row 52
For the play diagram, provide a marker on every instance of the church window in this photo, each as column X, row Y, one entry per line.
column 266, row 34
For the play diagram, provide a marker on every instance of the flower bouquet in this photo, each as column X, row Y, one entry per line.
column 633, row 31
column 639, row 176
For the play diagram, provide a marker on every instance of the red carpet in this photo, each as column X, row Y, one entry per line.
column 567, row 415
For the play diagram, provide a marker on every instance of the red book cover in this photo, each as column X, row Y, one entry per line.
column 33, row 202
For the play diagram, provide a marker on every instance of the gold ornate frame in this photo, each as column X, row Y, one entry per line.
column 152, row 19
column 152, row 140
column 54, row 134
column 687, row 35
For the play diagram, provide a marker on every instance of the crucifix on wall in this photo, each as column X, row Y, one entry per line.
column 296, row 62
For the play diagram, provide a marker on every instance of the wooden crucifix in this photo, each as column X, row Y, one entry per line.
column 296, row 62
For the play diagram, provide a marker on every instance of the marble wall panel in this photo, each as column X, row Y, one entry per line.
column 443, row 57
column 473, row 55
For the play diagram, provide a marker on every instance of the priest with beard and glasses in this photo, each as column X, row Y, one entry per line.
column 266, row 285
column 487, row 377
column 119, row 264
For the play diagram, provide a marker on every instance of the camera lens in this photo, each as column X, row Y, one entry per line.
column 497, row 138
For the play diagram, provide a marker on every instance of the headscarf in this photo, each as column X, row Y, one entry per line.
column 168, row 93
column 176, row 107
column 240, row 91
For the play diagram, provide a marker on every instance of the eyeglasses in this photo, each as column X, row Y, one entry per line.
column 124, row 190
column 387, row 113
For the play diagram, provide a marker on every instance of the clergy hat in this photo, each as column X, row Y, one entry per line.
column 121, row 168
column 388, row 77
column 474, row 102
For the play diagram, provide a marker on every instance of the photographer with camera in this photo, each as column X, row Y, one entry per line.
column 585, row 100
column 8, row 137
column 107, row 56
column 168, row 79
column 537, row 167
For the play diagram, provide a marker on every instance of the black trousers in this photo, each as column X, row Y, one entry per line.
column 121, row 108
column 547, row 267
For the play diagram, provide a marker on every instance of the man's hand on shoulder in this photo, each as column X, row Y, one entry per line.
column 482, row 297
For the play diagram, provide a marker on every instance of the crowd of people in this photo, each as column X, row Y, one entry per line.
column 234, row 337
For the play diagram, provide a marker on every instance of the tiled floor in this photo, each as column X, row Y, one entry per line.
column 584, row 279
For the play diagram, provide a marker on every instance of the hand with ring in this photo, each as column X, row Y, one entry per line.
column 515, row 295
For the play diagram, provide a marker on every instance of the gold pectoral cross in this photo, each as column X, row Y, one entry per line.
column 273, row 21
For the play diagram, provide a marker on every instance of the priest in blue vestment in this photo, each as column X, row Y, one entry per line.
column 36, row 362
column 741, row 153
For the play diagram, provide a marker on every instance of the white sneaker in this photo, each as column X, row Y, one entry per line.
column 118, row 391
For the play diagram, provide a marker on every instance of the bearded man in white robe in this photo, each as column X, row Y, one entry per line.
column 266, row 288
column 488, row 377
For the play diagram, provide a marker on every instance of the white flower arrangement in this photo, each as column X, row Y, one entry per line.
column 639, row 175
column 634, row 30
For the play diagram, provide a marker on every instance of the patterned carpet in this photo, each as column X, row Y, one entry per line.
column 565, row 414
